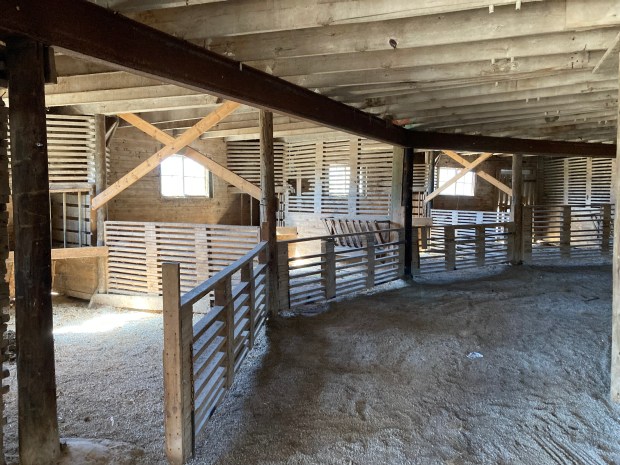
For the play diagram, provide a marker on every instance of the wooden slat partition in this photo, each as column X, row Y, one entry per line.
column 137, row 250
column 214, row 348
column 577, row 181
column 243, row 157
column 461, row 246
column 360, row 263
column 449, row 217
column 71, row 148
column 567, row 231
column 349, row 177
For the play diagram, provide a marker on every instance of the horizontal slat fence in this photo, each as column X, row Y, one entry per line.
column 567, row 231
column 461, row 246
column 208, row 349
column 137, row 250
column 450, row 217
column 335, row 270
column 71, row 148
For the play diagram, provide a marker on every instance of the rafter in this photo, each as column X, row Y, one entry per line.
column 76, row 26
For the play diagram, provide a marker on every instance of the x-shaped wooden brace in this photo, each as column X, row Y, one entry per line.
column 467, row 167
column 155, row 160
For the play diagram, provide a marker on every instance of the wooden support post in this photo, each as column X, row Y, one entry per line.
column 565, row 232
column 480, row 245
column 269, row 208
column 605, row 228
column 223, row 298
column 178, row 382
column 419, row 234
column 97, row 226
column 397, row 212
column 449, row 234
column 284, row 299
column 516, row 208
column 370, row 260
column 39, row 442
column 4, row 253
column 328, row 267
column 615, row 330
column 247, row 276
column 407, row 197
column 401, row 253
column 64, row 220
column 354, row 144
column 528, row 232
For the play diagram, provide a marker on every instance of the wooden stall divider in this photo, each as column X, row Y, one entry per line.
column 284, row 299
column 328, row 267
column 369, row 240
column 450, row 245
column 565, row 232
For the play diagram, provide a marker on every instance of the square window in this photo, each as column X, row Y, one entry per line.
column 464, row 186
column 183, row 177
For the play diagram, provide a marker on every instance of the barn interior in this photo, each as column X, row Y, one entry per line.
column 359, row 231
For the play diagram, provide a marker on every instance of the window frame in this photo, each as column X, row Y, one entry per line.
column 469, row 179
column 208, row 178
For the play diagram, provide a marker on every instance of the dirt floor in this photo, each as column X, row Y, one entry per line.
column 505, row 366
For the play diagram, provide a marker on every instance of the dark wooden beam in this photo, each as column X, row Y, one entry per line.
column 552, row 148
column 408, row 203
column 3, row 72
column 38, row 425
column 516, row 209
column 92, row 31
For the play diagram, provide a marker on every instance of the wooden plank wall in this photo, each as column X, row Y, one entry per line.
column 577, row 181
column 137, row 250
column 143, row 201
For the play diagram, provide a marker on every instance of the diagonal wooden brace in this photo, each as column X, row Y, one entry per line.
column 155, row 160
column 458, row 176
column 220, row 171
column 483, row 174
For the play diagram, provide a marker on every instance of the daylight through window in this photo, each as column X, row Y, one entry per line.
column 464, row 186
column 183, row 177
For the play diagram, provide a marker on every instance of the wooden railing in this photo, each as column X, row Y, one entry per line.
column 459, row 246
column 329, row 271
column 567, row 231
column 201, row 357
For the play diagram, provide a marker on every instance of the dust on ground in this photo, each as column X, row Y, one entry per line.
column 381, row 379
